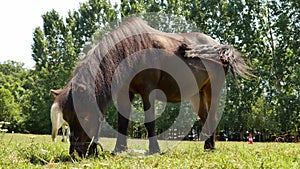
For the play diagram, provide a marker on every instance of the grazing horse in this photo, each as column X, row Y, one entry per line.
column 184, row 66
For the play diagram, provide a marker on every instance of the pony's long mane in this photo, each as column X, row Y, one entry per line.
column 100, row 62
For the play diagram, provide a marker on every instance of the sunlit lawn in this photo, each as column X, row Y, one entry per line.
column 37, row 151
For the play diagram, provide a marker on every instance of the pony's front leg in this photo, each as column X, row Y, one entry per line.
column 207, row 105
column 150, row 124
column 124, row 108
column 121, row 144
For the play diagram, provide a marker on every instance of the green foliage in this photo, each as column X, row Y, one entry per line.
column 267, row 32
column 14, row 95
column 56, row 51
column 10, row 110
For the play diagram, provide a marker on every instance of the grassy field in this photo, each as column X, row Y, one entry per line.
column 37, row 151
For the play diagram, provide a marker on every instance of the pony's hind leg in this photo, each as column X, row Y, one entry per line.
column 202, row 106
column 208, row 107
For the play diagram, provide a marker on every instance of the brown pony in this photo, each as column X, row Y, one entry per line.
column 137, row 59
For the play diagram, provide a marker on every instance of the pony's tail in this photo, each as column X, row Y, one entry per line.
column 237, row 64
column 56, row 120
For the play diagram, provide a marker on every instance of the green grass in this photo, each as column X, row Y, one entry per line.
column 37, row 151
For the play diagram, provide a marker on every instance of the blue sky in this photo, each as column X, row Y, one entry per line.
column 19, row 18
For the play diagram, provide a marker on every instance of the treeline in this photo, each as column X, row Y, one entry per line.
column 267, row 32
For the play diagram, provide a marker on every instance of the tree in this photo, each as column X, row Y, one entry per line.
column 14, row 95
column 56, row 51
column 267, row 32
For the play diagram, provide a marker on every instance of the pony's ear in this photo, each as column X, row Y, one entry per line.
column 56, row 92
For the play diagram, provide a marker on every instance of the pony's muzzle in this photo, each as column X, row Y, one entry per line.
column 84, row 149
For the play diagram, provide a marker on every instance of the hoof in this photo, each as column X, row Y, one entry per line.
column 153, row 146
column 113, row 153
column 119, row 150
column 209, row 149
column 154, row 151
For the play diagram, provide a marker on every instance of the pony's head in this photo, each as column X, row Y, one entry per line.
column 79, row 139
